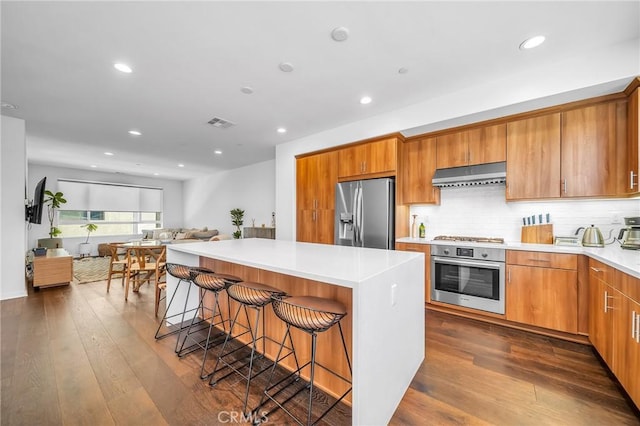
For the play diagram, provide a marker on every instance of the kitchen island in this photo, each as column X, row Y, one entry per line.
column 382, row 289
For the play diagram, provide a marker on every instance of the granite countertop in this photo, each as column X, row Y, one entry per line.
column 627, row 261
column 339, row 265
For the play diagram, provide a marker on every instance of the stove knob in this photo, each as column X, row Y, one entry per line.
column 484, row 254
column 446, row 251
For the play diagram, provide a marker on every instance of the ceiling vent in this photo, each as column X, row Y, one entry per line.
column 220, row 123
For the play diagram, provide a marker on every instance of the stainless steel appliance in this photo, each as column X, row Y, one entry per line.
column 365, row 213
column 473, row 277
column 630, row 236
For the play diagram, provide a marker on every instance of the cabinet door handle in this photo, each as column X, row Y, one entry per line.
column 364, row 166
column 595, row 269
column 638, row 328
column 606, row 301
column 633, row 325
column 631, row 175
column 539, row 260
column 564, row 185
column 509, row 275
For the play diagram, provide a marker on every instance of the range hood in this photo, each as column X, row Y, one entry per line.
column 481, row 174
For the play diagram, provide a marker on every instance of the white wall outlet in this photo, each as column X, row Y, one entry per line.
column 616, row 220
column 394, row 291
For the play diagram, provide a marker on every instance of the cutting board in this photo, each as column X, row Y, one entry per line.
column 537, row 234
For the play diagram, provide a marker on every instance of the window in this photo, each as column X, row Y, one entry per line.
column 117, row 209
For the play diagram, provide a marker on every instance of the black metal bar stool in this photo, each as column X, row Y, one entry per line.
column 214, row 283
column 254, row 296
column 184, row 274
column 312, row 315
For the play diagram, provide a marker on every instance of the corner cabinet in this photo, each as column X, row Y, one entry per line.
column 542, row 290
column 475, row 146
column 316, row 178
column 417, row 159
column 368, row 158
column 614, row 323
column 533, row 158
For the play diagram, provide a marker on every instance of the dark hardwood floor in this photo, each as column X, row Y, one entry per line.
column 77, row 355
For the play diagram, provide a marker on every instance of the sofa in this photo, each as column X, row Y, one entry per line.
column 184, row 235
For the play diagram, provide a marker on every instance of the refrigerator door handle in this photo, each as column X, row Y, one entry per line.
column 354, row 209
column 359, row 209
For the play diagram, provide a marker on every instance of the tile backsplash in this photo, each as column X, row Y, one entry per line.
column 482, row 211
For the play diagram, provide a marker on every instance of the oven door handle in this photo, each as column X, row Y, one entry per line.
column 481, row 264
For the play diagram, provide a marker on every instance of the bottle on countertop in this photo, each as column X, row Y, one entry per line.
column 414, row 227
column 422, row 230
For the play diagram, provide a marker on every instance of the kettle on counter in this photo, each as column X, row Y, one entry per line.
column 592, row 236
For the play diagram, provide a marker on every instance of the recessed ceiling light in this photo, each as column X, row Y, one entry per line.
column 281, row 130
column 247, row 90
column 156, row 174
column 93, row 166
column 365, row 100
column 8, row 105
column 532, row 42
column 134, row 133
column 217, row 152
column 180, row 165
column 286, row 66
column 340, row 34
column 122, row 67
column 403, row 70
column 108, row 153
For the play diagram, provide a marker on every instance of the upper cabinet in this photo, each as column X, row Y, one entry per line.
column 533, row 158
column 369, row 158
column 632, row 181
column 593, row 150
column 417, row 165
column 475, row 146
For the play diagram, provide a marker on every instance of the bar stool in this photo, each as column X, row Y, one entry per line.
column 184, row 274
column 214, row 283
column 254, row 296
column 312, row 315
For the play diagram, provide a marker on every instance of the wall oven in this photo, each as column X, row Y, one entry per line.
column 473, row 277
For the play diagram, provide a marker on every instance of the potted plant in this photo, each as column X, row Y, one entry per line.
column 53, row 201
column 237, row 215
column 85, row 248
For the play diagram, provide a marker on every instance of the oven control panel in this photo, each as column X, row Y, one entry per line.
column 465, row 252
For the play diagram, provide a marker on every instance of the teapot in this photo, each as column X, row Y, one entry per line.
column 592, row 236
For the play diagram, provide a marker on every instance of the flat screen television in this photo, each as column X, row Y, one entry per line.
column 35, row 208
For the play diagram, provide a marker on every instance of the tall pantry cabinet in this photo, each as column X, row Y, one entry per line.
column 316, row 178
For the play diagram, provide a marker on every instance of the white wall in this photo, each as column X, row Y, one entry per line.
column 537, row 86
column 12, row 223
column 172, row 201
column 208, row 200
column 482, row 211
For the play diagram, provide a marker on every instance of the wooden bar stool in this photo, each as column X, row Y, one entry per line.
column 184, row 274
column 249, row 295
column 312, row 315
column 214, row 283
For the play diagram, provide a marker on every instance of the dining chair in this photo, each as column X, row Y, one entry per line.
column 117, row 263
column 145, row 264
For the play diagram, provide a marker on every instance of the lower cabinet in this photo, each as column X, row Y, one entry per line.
column 614, row 323
column 542, row 290
column 426, row 249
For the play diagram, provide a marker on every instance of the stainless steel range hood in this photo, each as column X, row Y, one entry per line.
column 481, row 174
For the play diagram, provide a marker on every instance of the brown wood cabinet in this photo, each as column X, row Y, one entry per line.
column 533, row 158
column 593, row 147
column 426, row 249
column 55, row 268
column 633, row 147
column 474, row 146
column 542, row 290
column 614, row 318
column 369, row 158
column 418, row 160
column 316, row 178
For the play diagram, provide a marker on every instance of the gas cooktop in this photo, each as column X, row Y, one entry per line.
column 470, row 239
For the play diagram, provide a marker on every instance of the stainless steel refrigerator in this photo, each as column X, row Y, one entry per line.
column 365, row 213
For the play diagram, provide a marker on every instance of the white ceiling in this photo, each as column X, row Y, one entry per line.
column 190, row 60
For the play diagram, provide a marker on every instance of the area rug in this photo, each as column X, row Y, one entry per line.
column 90, row 269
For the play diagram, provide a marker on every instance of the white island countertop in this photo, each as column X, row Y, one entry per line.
column 339, row 265
column 627, row 261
